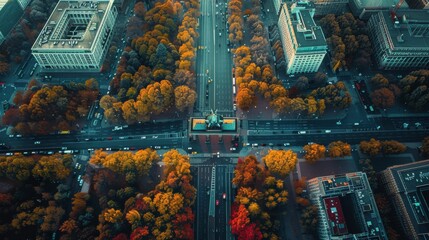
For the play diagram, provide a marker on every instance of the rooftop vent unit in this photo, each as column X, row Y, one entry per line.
column 93, row 26
column 400, row 38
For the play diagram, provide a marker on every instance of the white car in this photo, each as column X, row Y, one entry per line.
column 37, row 142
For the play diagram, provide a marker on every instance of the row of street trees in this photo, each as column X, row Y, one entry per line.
column 155, row 73
column 348, row 41
column 260, row 194
column 134, row 199
column 43, row 109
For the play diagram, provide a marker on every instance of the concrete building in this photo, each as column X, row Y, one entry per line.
column 347, row 209
column 10, row 13
column 337, row 7
column 401, row 41
column 277, row 4
column 365, row 8
column 407, row 187
column 303, row 41
column 418, row 4
column 76, row 36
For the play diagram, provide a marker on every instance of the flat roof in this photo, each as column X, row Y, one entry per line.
column 401, row 36
column 65, row 31
column 307, row 33
column 335, row 215
column 335, row 190
column 10, row 13
column 412, row 181
column 378, row 3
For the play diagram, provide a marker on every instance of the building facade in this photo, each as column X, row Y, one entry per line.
column 10, row 13
column 401, row 40
column 76, row 36
column 347, row 209
column 336, row 7
column 304, row 43
column 418, row 4
column 277, row 5
column 363, row 9
column 407, row 187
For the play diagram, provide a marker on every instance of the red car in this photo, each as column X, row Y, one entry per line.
column 217, row 202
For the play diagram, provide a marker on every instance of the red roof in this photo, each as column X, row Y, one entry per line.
column 335, row 215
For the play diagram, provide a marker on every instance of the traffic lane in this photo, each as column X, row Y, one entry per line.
column 301, row 124
column 221, row 208
column 114, row 144
column 349, row 137
column 204, row 199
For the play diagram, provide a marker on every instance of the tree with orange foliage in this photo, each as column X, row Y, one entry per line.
column 393, row 147
column 248, row 172
column 314, row 152
column 371, row 147
column 339, row 149
column 245, row 99
column 300, row 185
column 383, row 98
column 112, row 215
column 184, row 97
column 274, row 194
column 280, row 161
column 68, row 226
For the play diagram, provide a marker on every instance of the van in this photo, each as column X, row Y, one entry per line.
column 327, row 131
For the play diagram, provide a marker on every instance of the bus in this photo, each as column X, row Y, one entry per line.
column 233, row 81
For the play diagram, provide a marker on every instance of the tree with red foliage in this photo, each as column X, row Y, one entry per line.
column 239, row 218
column 250, row 232
column 120, row 236
column 248, row 172
column 12, row 117
column 139, row 233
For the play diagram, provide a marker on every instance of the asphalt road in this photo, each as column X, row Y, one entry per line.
column 159, row 134
column 217, row 227
column 347, row 135
column 214, row 63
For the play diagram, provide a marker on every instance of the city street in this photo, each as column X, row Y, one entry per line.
column 214, row 63
column 214, row 200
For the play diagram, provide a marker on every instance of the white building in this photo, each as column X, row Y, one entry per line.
column 303, row 41
column 401, row 41
column 76, row 36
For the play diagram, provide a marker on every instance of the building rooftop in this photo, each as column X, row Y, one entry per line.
column 335, row 215
column 307, row 33
column 410, row 30
column 10, row 13
column 378, row 3
column 73, row 25
column 349, row 206
column 412, row 182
